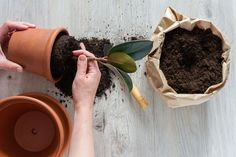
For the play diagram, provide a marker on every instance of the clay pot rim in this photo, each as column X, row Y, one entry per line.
column 49, row 48
column 53, row 114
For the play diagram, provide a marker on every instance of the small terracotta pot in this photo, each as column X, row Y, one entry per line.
column 33, row 125
column 32, row 49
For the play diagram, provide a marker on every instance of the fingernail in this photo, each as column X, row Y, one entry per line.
column 19, row 69
column 82, row 58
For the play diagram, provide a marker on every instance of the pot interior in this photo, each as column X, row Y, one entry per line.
column 27, row 129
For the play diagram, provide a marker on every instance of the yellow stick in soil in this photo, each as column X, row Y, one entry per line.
column 138, row 97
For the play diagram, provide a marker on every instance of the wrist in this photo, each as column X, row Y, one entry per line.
column 83, row 107
column 83, row 113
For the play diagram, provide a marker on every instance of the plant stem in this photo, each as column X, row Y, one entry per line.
column 102, row 59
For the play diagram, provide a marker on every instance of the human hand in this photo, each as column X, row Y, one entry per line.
column 86, row 80
column 6, row 30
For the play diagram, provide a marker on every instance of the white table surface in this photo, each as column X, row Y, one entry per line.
column 121, row 128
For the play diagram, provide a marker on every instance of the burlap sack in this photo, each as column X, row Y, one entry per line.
column 170, row 21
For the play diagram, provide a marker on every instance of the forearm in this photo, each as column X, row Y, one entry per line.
column 82, row 136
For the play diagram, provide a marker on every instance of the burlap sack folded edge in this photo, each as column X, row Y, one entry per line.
column 170, row 21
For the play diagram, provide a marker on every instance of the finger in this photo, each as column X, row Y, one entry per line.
column 85, row 52
column 17, row 26
column 12, row 26
column 82, row 46
column 82, row 65
column 89, row 55
column 93, row 68
column 30, row 25
column 10, row 66
column 92, row 64
column 77, row 53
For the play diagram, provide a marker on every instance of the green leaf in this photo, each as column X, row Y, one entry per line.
column 125, row 78
column 122, row 61
column 135, row 49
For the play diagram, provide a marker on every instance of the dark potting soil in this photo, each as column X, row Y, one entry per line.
column 64, row 64
column 191, row 60
column 62, row 54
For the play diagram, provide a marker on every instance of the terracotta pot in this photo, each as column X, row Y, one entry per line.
column 33, row 125
column 32, row 49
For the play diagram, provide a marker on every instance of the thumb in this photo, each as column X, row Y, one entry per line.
column 10, row 66
column 82, row 65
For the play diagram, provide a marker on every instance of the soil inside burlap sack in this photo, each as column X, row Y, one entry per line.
column 191, row 60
